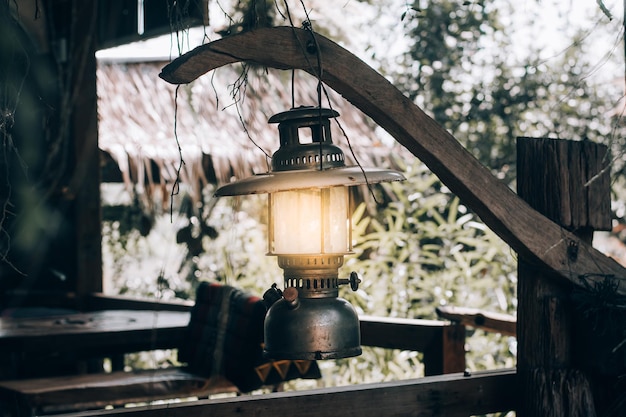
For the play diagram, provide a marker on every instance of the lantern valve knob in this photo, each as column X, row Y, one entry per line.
column 354, row 281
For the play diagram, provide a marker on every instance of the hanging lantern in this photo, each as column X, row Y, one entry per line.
column 309, row 232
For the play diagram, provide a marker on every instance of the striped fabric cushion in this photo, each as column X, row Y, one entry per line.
column 225, row 337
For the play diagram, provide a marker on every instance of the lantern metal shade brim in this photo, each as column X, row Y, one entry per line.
column 293, row 180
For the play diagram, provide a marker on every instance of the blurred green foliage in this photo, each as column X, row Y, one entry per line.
column 427, row 249
column 423, row 250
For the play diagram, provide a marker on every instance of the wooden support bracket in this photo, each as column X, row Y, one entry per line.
column 528, row 232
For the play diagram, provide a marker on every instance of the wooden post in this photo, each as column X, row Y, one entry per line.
column 447, row 354
column 85, row 181
column 565, row 181
column 442, row 344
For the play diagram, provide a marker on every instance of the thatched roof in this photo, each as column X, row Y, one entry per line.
column 141, row 117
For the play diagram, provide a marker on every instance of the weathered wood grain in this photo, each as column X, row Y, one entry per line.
column 529, row 233
column 443, row 344
column 564, row 180
column 99, row 333
column 486, row 320
column 553, row 178
column 452, row 395
column 94, row 391
column 399, row 333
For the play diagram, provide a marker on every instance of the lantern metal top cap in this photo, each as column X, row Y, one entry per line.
column 317, row 164
column 294, row 153
column 293, row 180
column 303, row 113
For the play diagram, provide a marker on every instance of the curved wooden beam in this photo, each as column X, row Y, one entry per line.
column 532, row 235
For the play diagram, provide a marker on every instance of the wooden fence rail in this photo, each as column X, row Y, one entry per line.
column 452, row 395
column 442, row 344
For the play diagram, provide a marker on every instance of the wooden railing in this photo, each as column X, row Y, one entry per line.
column 447, row 390
column 453, row 395
column 442, row 342
column 505, row 324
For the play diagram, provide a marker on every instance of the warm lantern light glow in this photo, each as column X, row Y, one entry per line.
column 310, row 221
column 309, row 233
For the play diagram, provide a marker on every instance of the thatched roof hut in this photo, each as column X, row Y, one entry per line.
column 219, row 121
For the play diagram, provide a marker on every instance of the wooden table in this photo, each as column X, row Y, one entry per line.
column 109, row 331
column 98, row 334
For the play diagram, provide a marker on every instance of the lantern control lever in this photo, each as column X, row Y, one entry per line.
column 354, row 281
column 272, row 295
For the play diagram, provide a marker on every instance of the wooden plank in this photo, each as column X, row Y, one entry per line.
column 453, row 351
column 529, row 233
column 571, row 175
column 385, row 332
column 444, row 341
column 485, row 320
column 100, row 301
column 452, row 395
column 442, row 344
column 551, row 386
column 84, row 186
column 399, row 333
column 446, row 353
column 96, row 333
column 147, row 325
column 89, row 391
column 551, row 177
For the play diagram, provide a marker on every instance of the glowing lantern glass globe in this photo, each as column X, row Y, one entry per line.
column 309, row 232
